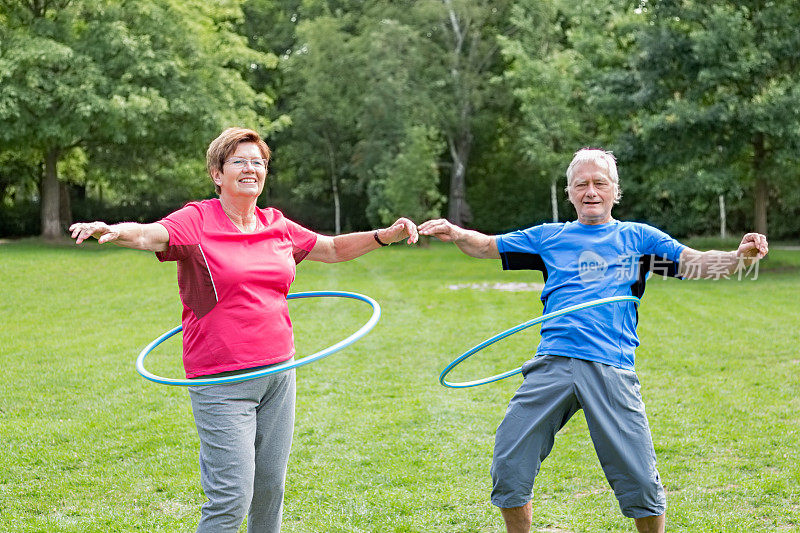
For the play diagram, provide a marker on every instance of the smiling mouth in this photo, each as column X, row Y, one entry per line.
column 247, row 180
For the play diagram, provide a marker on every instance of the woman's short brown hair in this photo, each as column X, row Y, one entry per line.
column 223, row 146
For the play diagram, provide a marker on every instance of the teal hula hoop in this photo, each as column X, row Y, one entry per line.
column 272, row 369
column 515, row 329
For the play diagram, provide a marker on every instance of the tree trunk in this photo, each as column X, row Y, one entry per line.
column 64, row 205
column 51, row 204
column 460, row 141
column 556, row 146
column 761, row 190
column 761, row 202
column 337, row 210
column 458, row 211
column 722, row 217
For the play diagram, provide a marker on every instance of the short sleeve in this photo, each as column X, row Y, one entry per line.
column 525, row 241
column 662, row 245
column 184, row 227
column 520, row 250
column 303, row 239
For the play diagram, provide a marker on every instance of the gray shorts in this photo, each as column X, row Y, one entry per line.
column 554, row 389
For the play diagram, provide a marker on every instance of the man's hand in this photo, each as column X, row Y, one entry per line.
column 442, row 229
column 753, row 246
column 472, row 243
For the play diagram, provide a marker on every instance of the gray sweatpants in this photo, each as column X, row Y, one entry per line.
column 245, row 432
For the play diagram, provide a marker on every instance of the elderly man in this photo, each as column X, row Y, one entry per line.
column 585, row 360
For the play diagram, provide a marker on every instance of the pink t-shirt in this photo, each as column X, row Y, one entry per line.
column 233, row 286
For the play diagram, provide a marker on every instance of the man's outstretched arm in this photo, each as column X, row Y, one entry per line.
column 695, row 264
column 472, row 243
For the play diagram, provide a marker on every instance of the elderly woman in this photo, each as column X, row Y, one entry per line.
column 236, row 263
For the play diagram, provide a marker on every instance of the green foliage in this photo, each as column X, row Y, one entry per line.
column 20, row 219
column 717, row 90
column 18, row 172
column 139, row 83
column 505, row 193
column 696, row 100
column 393, row 98
column 544, row 71
column 319, row 146
column 408, row 184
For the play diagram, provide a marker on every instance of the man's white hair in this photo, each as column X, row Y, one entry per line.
column 601, row 158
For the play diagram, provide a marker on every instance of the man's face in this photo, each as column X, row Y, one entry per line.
column 592, row 193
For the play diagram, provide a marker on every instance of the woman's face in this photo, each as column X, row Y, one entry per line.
column 243, row 172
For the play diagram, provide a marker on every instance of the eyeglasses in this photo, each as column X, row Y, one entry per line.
column 241, row 162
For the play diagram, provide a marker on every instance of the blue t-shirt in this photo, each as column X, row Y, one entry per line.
column 582, row 263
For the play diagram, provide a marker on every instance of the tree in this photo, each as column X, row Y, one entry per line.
column 399, row 149
column 718, row 83
column 544, row 70
column 466, row 34
column 129, row 83
column 427, row 64
column 408, row 184
column 319, row 143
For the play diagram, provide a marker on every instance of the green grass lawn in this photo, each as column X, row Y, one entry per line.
column 87, row 445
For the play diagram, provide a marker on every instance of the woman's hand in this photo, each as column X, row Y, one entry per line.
column 150, row 237
column 99, row 230
column 351, row 245
column 403, row 228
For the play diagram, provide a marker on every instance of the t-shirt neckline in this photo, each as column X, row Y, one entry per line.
column 590, row 226
column 259, row 224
